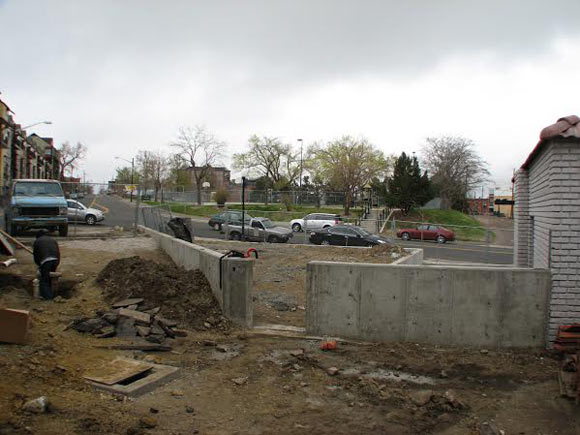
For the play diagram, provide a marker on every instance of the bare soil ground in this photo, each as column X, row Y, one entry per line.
column 280, row 273
column 242, row 382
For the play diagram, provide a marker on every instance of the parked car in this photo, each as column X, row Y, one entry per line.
column 78, row 212
column 345, row 235
column 232, row 217
column 315, row 221
column 260, row 230
column 36, row 204
column 427, row 232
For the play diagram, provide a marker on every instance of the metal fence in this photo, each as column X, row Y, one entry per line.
column 234, row 196
column 95, row 209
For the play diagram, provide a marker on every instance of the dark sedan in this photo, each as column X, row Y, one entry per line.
column 231, row 217
column 345, row 235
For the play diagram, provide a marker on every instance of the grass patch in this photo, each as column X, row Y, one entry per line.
column 276, row 212
column 464, row 226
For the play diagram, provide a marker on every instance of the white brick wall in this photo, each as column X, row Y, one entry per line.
column 550, row 193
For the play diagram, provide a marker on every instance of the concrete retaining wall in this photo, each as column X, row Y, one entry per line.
column 470, row 306
column 235, row 292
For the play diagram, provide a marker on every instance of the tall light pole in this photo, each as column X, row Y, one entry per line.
column 36, row 123
column 132, row 174
column 300, row 181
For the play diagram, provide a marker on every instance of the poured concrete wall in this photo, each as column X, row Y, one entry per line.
column 470, row 306
column 234, row 293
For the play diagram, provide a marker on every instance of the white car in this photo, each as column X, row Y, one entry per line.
column 315, row 221
column 78, row 212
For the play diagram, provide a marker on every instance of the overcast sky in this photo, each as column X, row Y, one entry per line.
column 120, row 76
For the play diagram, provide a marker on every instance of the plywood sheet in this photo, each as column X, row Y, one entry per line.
column 117, row 371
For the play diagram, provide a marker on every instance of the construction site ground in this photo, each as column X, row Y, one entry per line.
column 238, row 381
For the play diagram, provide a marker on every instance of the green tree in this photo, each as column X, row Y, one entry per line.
column 407, row 187
column 269, row 157
column 347, row 164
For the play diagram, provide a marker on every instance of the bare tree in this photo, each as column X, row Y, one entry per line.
column 268, row 156
column 347, row 164
column 154, row 169
column 201, row 150
column 69, row 156
column 455, row 166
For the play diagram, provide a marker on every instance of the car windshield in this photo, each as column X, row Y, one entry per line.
column 362, row 232
column 267, row 223
column 37, row 189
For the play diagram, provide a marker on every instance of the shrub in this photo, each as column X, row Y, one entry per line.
column 221, row 197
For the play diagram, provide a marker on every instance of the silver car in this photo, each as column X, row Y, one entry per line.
column 78, row 212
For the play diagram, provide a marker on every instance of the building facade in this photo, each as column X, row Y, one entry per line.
column 219, row 178
column 547, row 217
column 23, row 156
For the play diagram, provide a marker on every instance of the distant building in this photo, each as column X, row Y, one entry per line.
column 480, row 206
column 218, row 178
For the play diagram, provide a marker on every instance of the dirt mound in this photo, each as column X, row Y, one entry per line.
column 184, row 296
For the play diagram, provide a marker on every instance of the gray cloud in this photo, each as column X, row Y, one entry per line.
column 127, row 73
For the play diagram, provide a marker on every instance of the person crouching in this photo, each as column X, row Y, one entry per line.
column 47, row 258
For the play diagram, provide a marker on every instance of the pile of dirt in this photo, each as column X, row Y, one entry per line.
column 387, row 250
column 183, row 295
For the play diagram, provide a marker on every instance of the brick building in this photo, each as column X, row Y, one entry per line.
column 218, row 178
column 547, row 216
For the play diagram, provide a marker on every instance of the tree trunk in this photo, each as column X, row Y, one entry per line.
column 347, row 198
column 198, row 187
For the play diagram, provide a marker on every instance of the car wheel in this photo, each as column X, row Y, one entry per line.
column 441, row 239
column 63, row 230
column 296, row 228
column 236, row 236
column 90, row 219
column 325, row 242
column 217, row 227
column 406, row 236
column 273, row 239
column 326, row 226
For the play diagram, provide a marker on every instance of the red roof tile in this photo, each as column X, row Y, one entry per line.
column 569, row 126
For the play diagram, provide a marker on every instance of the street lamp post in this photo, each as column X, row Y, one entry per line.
column 36, row 123
column 132, row 174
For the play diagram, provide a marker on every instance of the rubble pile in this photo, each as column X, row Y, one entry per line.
column 184, row 295
column 127, row 319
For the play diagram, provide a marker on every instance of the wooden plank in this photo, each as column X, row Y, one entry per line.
column 15, row 241
column 6, row 246
column 126, row 302
column 138, row 316
column 117, row 371
column 146, row 347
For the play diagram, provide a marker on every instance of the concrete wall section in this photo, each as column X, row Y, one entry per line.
column 235, row 292
column 469, row 306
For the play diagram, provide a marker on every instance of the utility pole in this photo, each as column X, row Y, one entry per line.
column 243, row 206
column 300, row 180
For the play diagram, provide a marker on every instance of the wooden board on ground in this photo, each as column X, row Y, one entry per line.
column 6, row 246
column 127, row 302
column 117, row 371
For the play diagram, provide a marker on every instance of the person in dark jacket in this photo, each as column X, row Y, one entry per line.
column 47, row 257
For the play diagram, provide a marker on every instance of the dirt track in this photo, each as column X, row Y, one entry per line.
column 284, row 384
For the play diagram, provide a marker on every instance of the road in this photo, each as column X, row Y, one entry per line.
column 119, row 212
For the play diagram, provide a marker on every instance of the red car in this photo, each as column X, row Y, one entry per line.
column 427, row 232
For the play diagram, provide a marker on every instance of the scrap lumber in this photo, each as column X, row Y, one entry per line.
column 6, row 246
column 15, row 241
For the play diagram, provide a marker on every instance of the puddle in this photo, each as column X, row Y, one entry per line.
column 391, row 375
